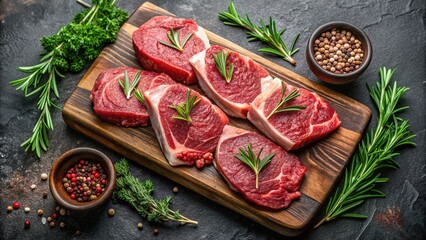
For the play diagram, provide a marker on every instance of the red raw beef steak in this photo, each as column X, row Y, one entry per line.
column 293, row 129
column 110, row 103
column 249, row 79
column 279, row 181
column 158, row 57
column 182, row 142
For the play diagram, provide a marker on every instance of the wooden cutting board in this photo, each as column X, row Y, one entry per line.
column 325, row 160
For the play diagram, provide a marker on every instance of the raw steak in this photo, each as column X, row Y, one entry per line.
column 293, row 130
column 248, row 80
column 279, row 181
column 110, row 103
column 182, row 142
column 157, row 57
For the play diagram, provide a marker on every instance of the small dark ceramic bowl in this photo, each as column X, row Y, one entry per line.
column 65, row 162
column 328, row 76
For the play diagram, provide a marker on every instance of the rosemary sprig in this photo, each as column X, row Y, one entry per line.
column 266, row 33
column 375, row 152
column 139, row 195
column 220, row 62
column 174, row 39
column 127, row 86
column 285, row 99
column 185, row 108
column 139, row 96
column 66, row 51
column 248, row 157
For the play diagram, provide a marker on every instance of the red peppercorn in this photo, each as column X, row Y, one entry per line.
column 27, row 223
column 103, row 181
column 82, row 162
column 73, row 175
column 68, row 176
column 54, row 215
column 156, row 231
column 72, row 196
column 16, row 205
column 97, row 175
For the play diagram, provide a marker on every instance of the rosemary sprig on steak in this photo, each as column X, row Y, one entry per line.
column 220, row 62
column 184, row 109
column 173, row 36
column 285, row 99
column 254, row 162
column 69, row 50
column 139, row 195
column 375, row 152
column 266, row 33
column 127, row 86
column 138, row 95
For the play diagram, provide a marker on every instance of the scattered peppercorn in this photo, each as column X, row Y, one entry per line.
column 140, row 226
column 156, row 231
column 9, row 209
column 45, row 195
column 338, row 51
column 27, row 209
column 111, row 212
column 62, row 211
column 85, row 181
column 68, row 212
column 54, row 215
column 27, row 223
column 52, row 224
column 33, row 187
column 57, row 208
column 43, row 176
column 77, row 232
column 40, row 212
column 175, row 189
column 49, row 219
column 16, row 205
column 62, row 224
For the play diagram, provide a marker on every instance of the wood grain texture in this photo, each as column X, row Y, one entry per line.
column 325, row 160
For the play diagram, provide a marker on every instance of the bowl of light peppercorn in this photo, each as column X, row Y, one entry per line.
column 338, row 52
column 82, row 179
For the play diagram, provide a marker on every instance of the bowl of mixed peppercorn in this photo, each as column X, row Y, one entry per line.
column 338, row 52
column 82, row 179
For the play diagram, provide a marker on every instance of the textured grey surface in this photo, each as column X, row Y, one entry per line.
column 397, row 32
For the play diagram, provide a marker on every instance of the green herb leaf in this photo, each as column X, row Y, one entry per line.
column 375, row 152
column 139, row 195
column 68, row 50
column 174, row 39
column 139, row 96
column 185, row 108
column 266, row 33
column 248, row 157
column 127, row 86
column 285, row 99
column 220, row 62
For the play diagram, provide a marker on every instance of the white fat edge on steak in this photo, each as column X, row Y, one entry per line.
column 231, row 108
column 256, row 116
column 203, row 36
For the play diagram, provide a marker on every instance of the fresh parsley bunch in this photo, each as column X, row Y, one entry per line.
column 69, row 50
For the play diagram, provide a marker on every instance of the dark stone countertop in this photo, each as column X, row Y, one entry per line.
column 397, row 32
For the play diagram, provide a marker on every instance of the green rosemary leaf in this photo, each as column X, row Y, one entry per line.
column 220, row 62
column 375, row 151
column 184, row 109
column 127, row 86
column 139, row 195
column 173, row 36
column 254, row 162
column 285, row 99
column 139, row 96
column 266, row 33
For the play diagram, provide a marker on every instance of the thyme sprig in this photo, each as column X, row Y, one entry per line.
column 375, row 152
column 220, row 62
column 173, row 36
column 184, row 109
column 66, row 51
column 250, row 159
column 285, row 99
column 139, row 195
column 266, row 33
column 127, row 86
